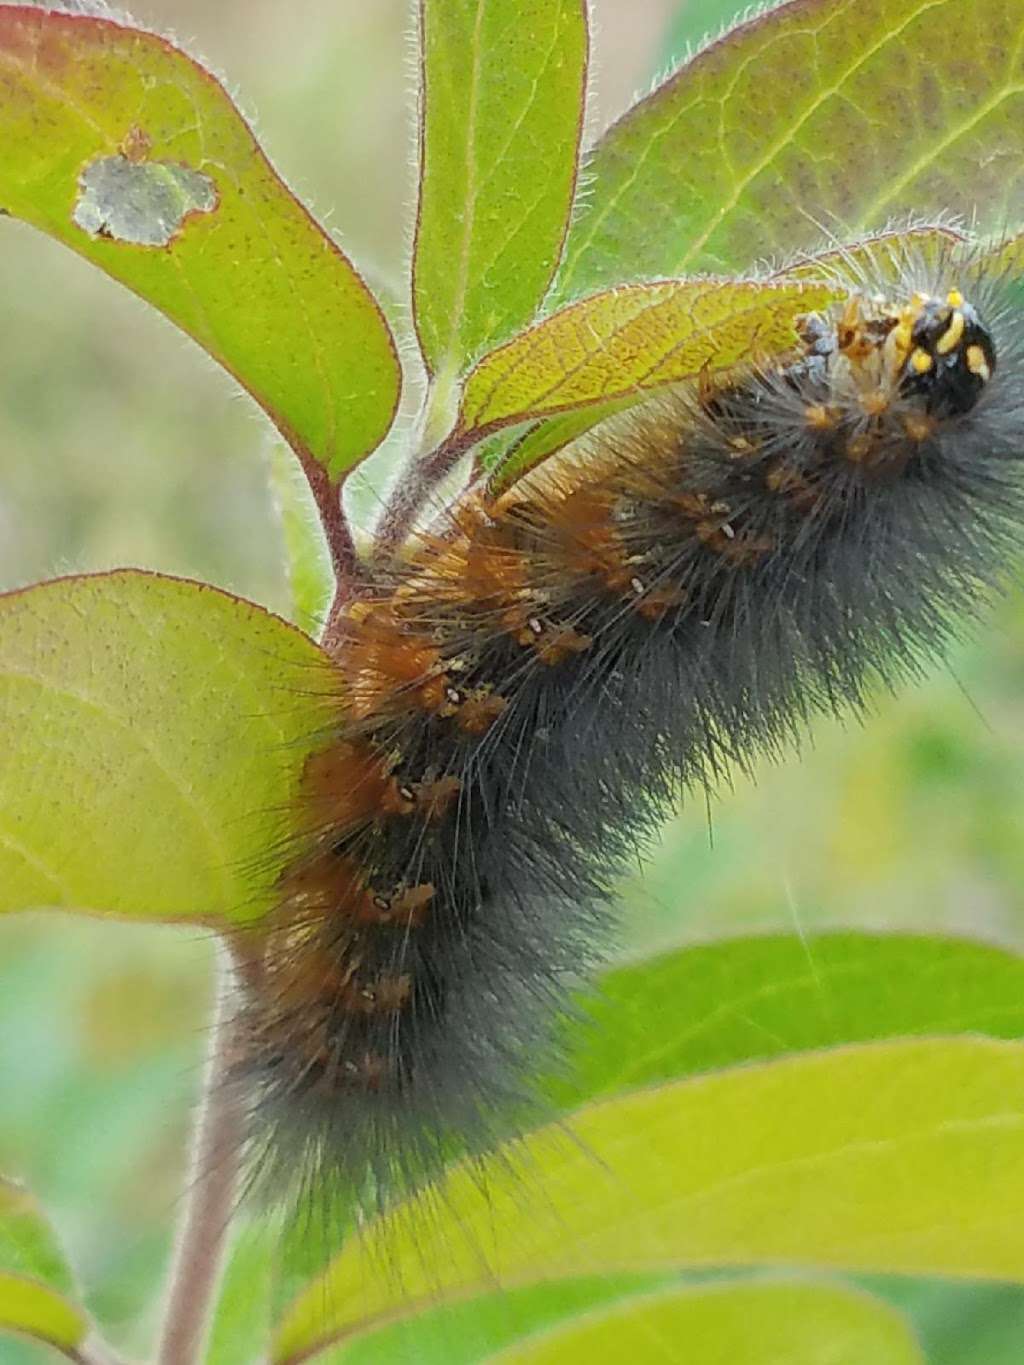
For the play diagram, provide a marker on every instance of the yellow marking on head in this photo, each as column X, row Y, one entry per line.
column 955, row 299
column 901, row 337
column 921, row 361
column 952, row 336
column 908, row 316
column 977, row 364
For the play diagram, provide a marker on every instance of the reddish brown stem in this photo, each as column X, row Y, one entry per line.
column 338, row 534
column 327, row 496
column 409, row 496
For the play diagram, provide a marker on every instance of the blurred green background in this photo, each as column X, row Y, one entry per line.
column 121, row 444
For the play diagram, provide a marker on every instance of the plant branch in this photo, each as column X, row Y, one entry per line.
column 210, row 1193
column 413, row 487
column 327, row 496
column 436, row 449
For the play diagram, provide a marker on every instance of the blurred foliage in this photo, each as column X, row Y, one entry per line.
column 120, row 443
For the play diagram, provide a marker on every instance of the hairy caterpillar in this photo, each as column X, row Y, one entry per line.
column 521, row 695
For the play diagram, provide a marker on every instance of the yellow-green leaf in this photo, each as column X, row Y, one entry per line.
column 463, row 1332
column 881, row 256
column 1006, row 256
column 154, row 734
column 28, row 1246
column 35, row 1280
column 306, row 555
column 834, row 114
column 125, row 149
column 509, row 459
column 630, row 341
column 502, row 112
column 765, row 995
column 904, row 1156
column 38, row 1311
column 732, row 1323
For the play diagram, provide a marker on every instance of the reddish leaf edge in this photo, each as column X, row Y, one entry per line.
column 215, row 924
column 326, row 491
column 578, row 163
column 831, row 258
column 764, row 11
column 130, row 572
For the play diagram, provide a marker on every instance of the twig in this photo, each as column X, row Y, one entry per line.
column 413, row 487
column 327, row 496
column 216, row 1143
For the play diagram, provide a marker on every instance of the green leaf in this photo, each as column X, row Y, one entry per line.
column 511, row 459
column 466, row 1333
column 763, row 996
column 881, row 255
column 502, row 113
column 628, row 342
column 903, row 1157
column 816, row 113
column 760, row 1323
column 743, row 999
column 307, row 558
column 241, row 1323
column 36, row 1311
column 155, row 732
column 957, row 1322
column 34, row 1277
column 128, row 151
column 1006, row 256
column 28, row 1245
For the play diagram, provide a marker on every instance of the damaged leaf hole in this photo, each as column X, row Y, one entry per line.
column 144, row 202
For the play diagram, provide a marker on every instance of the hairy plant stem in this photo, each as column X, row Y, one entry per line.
column 435, row 452
column 337, row 532
column 209, row 1201
column 413, row 487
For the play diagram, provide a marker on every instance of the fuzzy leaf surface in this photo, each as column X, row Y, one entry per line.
column 630, row 341
column 843, row 113
column 502, row 113
column 155, row 731
column 900, row 1157
column 730, row 1324
column 125, row 149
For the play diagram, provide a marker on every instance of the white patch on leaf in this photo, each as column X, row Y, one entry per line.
column 143, row 202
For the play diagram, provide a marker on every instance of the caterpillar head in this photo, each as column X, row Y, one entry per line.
column 939, row 349
column 881, row 375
